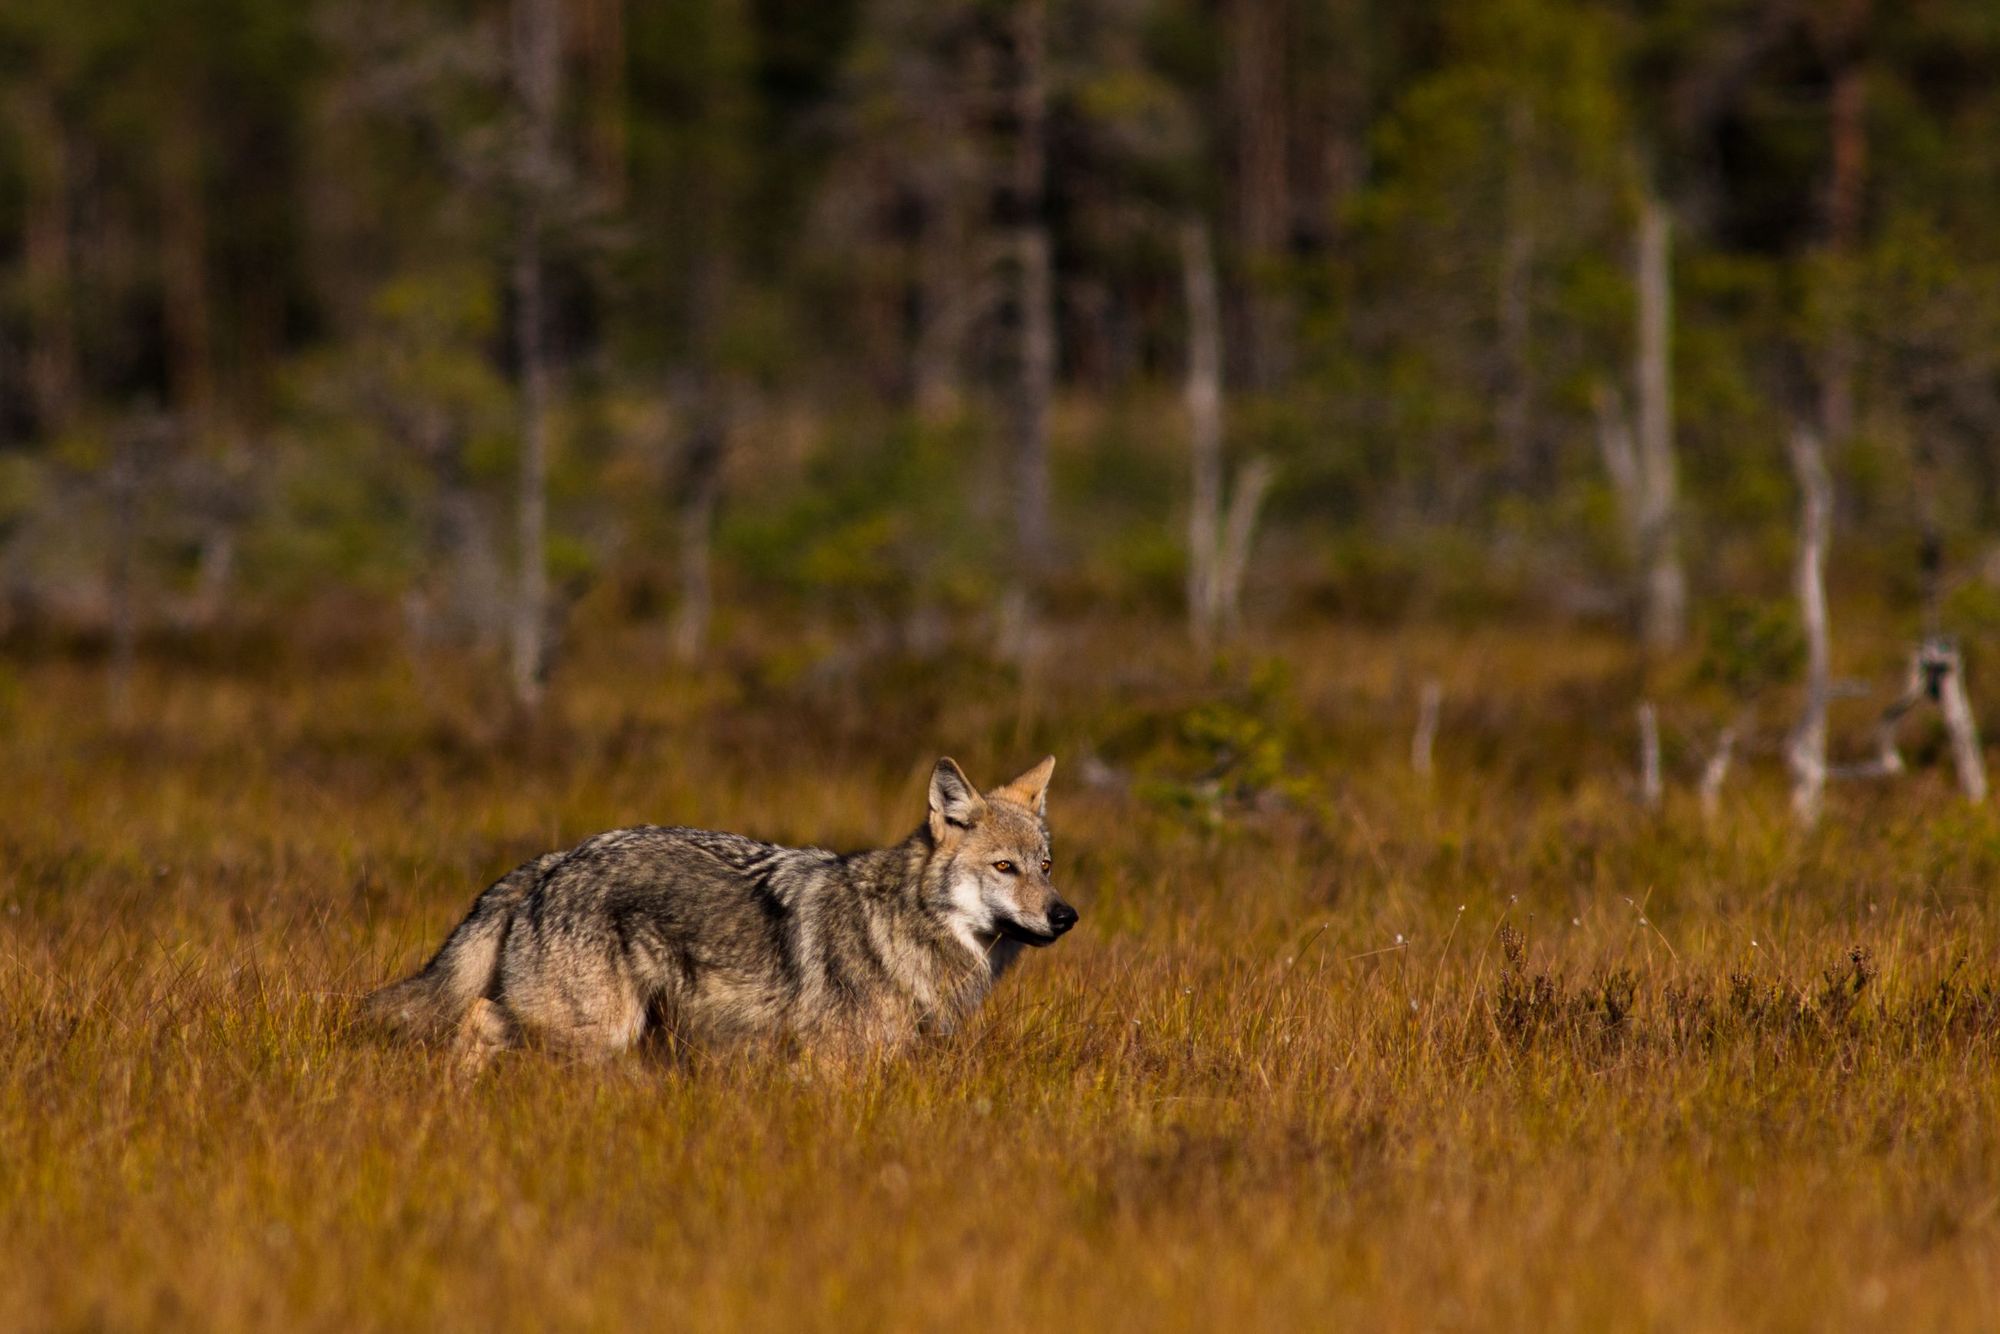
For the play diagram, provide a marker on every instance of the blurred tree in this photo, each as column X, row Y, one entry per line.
column 538, row 177
column 724, row 239
column 693, row 187
column 1020, row 211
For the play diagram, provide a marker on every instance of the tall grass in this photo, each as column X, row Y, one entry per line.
column 1330, row 1049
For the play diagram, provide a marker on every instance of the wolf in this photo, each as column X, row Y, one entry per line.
column 712, row 939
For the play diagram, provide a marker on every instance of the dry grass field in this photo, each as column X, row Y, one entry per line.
column 1332, row 1048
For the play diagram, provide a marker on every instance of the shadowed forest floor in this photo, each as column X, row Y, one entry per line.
column 1331, row 1048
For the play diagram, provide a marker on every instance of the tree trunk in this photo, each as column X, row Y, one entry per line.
column 1716, row 772
column 1513, row 405
column 1936, row 673
column 1639, row 455
column 1204, row 408
column 1665, row 616
column 537, row 53
column 1239, row 528
column 531, row 596
column 1033, row 384
column 1959, row 724
column 122, row 575
column 1806, row 752
column 1218, row 544
column 1033, row 392
column 1651, row 789
column 700, row 491
column 1424, row 738
column 603, row 38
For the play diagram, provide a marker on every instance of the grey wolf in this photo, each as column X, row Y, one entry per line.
column 715, row 938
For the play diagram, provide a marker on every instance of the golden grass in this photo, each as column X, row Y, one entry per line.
column 1291, row 1071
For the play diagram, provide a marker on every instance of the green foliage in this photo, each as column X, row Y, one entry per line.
column 1971, row 611
column 1749, row 647
column 291, row 227
column 385, row 425
column 885, row 521
column 1225, row 756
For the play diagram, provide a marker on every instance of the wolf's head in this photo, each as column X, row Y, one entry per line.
column 993, row 852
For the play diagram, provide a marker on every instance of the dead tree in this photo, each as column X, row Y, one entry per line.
column 1936, row 675
column 1716, row 772
column 700, row 491
column 1936, row 672
column 1806, row 751
column 1651, row 789
column 1945, row 682
column 122, row 488
column 537, row 68
column 1638, row 449
column 1218, row 544
column 1424, row 738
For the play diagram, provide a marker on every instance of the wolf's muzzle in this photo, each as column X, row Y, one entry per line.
column 1061, row 918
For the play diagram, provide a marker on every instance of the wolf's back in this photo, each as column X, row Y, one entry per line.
column 431, row 1003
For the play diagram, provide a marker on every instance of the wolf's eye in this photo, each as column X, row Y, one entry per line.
column 1004, row 867
column 1046, row 863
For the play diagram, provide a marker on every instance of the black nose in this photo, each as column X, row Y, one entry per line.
column 1061, row 918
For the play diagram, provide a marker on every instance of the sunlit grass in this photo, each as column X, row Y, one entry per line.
column 1505, row 1052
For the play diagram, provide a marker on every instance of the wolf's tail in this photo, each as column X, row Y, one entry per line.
column 431, row 1003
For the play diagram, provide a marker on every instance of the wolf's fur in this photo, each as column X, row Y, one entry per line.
column 715, row 937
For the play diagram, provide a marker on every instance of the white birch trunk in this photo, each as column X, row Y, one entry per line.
column 1239, row 530
column 1638, row 449
column 1806, row 751
column 1963, row 730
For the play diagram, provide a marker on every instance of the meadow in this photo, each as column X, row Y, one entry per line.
column 1333, row 1047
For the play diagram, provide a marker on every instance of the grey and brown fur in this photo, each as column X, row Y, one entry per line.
column 715, row 938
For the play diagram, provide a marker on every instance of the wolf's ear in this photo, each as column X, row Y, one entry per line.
column 1031, row 789
column 954, row 800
